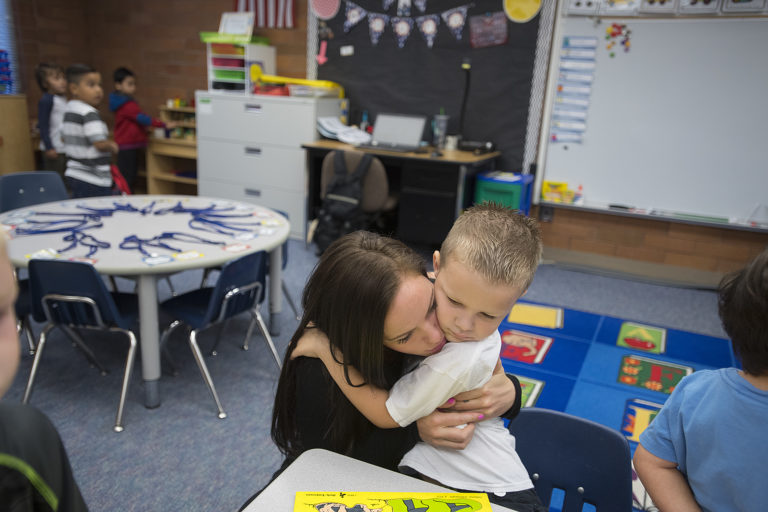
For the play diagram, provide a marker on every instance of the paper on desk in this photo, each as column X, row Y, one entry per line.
column 333, row 128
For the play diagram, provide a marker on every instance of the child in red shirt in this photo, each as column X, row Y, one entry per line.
column 130, row 124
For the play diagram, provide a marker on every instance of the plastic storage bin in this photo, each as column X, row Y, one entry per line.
column 506, row 188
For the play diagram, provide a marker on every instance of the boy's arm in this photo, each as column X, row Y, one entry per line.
column 106, row 145
column 369, row 400
column 132, row 111
column 44, row 108
column 666, row 485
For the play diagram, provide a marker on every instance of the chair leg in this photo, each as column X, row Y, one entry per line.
column 204, row 371
column 22, row 325
column 38, row 354
column 290, row 302
column 164, row 352
column 84, row 348
column 206, row 275
column 170, row 285
column 258, row 320
column 219, row 330
column 126, row 379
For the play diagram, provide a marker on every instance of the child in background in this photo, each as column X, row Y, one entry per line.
column 89, row 152
column 706, row 449
column 484, row 265
column 130, row 124
column 50, row 115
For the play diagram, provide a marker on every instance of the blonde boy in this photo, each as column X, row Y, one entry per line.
column 485, row 264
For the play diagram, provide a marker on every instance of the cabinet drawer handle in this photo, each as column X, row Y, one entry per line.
column 252, row 192
column 252, row 108
column 252, row 151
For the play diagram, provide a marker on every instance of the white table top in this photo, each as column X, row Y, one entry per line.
column 322, row 470
column 244, row 228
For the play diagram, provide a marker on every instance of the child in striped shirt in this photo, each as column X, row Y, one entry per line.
column 85, row 136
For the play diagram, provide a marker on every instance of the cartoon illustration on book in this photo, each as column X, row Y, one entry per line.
column 391, row 502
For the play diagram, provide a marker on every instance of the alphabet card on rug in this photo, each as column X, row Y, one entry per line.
column 524, row 347
column 642, row 337
column 531, row 389
column 646, row 373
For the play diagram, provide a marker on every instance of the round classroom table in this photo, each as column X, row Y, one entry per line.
column 160, row 235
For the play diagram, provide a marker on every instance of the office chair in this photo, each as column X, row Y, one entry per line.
column 375, row 197
column 590, row 462
column 239, row 288
column 71, row 295
column 19, row 190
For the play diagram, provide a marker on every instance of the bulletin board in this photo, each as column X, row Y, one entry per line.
column 414, row 77
column 676, row 124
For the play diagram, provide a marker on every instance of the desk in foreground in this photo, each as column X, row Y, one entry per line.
column 432, row 190
column 323, row 470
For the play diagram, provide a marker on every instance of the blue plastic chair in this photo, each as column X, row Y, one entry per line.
column 286, row 293
column 239, row 288
column 19, row 190
column 71, row 295
column 22, row 189
column 590, row 462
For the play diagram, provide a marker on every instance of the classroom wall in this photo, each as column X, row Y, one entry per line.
column 704, row 248
column 158, row 40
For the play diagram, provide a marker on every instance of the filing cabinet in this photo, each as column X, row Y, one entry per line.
column 249, row 149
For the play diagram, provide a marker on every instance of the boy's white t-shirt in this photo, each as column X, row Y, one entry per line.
column 489, row 463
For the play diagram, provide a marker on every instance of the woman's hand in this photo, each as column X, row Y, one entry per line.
column 447, row 429
column 495, row 398
column 311, row 344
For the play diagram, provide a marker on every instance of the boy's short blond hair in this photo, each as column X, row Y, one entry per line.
column 499, row 243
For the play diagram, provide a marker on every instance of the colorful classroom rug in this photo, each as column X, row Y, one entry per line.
column 613, row 371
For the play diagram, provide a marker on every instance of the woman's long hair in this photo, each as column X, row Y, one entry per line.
column 347, row 296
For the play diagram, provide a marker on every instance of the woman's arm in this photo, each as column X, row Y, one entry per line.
column 369, row 400
column 314, row 412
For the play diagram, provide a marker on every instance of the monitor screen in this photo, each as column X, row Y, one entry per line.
column 401, row 130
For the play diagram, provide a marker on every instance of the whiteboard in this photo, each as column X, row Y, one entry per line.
column 679, row 123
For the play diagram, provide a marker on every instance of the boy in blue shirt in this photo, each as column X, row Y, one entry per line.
column 50, row 115
column 706, row 449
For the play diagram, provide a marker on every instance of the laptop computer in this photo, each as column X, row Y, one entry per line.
column 396, row 132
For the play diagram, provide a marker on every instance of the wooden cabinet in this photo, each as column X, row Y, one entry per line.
column 15, row 140
column 250, row 149
column 172, row 161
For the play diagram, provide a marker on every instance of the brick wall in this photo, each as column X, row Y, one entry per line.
column 158, row 40
column 654, row 241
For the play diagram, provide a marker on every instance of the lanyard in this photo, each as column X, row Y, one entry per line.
column 80, row 238
column 56, row 226
column 134, row 242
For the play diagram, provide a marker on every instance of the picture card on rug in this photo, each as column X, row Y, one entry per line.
column 642, row 337
column 524, row 347
column 531, row 389
column 638, row 414
column 537, row 316
column 646, row 373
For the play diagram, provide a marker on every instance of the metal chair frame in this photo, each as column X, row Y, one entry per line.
column 253, row 290
column 69, row 330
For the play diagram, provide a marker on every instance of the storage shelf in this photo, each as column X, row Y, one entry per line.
column 174, row 178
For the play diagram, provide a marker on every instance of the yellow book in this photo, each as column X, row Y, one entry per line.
column 539, row 316
column 391, row 502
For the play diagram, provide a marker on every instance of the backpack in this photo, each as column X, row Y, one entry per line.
column 340, row 211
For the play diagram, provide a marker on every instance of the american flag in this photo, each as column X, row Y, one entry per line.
column 269, row 13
